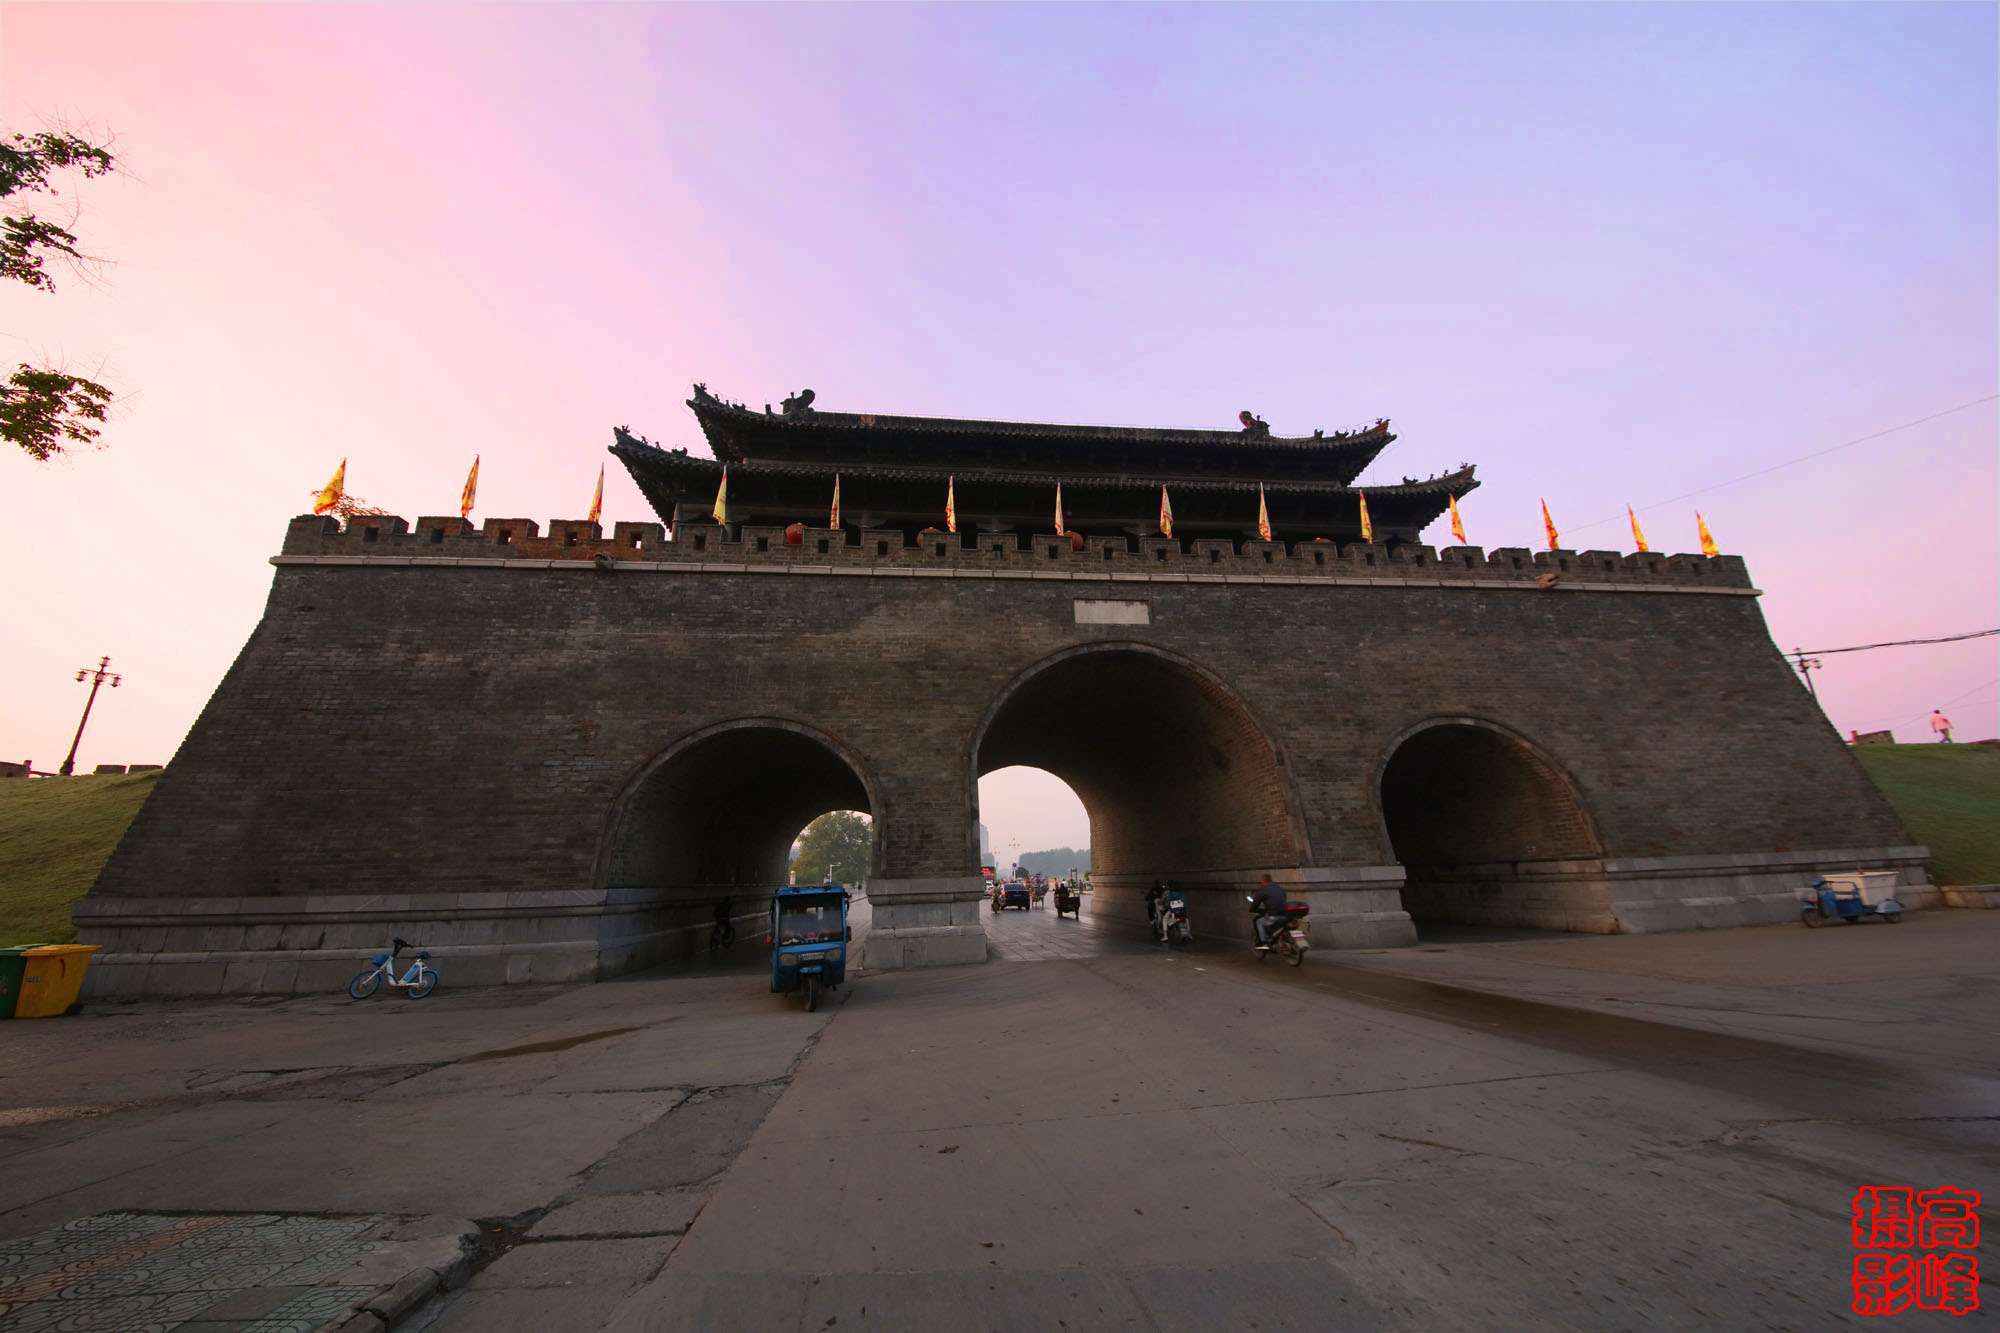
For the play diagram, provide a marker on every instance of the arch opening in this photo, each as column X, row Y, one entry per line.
column 722, row 812
column 1031, row 811
column 1491, row 833
column 1177, row 779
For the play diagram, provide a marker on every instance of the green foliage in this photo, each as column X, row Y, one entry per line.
column 1058, row 861
column 1947, row 794
column 843, row 840
column 27, row 159
column 21, row 241
column 55, row 836
column 40, row 408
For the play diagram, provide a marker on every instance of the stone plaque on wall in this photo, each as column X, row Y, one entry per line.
column 1113, row 613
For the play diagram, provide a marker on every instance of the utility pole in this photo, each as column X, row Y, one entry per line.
column 97, row 678
column 1806, row 666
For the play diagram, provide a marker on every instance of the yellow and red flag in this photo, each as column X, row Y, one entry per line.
column 1060, row 530
column 1707, row 538
column 1457, row 524
column 721, row 511
column 951, row 504
column 1637, row 535
column 1263, row 514
column 833, row 519
column 597, row 500
column 1166, row 514
column 1549, row 526
column 336, row 487
column 1367, row 528
column 466, row 496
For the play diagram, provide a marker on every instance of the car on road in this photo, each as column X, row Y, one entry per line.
column 1012, row 894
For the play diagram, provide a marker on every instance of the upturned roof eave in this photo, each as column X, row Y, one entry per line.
column 717, row 416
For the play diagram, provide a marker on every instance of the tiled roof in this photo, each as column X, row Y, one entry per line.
column 713, row 412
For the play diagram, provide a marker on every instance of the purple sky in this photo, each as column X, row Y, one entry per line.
column 1609, row 254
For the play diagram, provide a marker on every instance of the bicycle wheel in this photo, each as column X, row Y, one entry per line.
column 365, row 984
column 426, row 982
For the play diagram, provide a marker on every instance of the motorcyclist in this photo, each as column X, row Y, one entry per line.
column 1269, row 902
column 1153, row 896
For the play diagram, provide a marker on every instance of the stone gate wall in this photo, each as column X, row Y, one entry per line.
column 443, row 720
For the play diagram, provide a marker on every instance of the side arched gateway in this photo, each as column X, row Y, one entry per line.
column 1180, row 782
column 1490, row 831
column 714, row 816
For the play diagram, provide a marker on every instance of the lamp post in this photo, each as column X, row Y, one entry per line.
column 96, row 678
column 1806, row 666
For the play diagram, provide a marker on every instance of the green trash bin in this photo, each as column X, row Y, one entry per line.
column 12, row 965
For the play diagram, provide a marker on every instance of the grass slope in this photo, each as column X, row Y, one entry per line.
column 1949, row 795
column 55, row 835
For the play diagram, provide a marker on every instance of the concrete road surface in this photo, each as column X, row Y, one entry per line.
column 1484, row 1132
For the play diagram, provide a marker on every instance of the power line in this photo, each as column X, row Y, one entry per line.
column 1893, row 643
column 1957, row 698
column 1802, row 458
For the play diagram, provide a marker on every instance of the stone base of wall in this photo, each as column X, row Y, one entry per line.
column 1971, row 895
column 924, row 923
column 1638, row 895
column 287, row 946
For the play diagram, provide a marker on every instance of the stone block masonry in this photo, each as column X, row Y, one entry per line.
column 555, row 753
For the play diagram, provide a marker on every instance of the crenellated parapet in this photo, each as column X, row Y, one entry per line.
column 713, row 548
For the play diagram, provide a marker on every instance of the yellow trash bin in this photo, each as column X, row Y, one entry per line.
column 52, row 978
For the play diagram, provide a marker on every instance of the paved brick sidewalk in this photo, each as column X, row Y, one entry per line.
column 253, row 1272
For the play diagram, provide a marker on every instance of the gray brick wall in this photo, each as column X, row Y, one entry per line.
column 396, row 727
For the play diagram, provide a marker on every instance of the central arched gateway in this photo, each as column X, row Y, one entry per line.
column 1180, row 782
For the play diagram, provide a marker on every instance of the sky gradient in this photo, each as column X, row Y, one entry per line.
column 1609, row 254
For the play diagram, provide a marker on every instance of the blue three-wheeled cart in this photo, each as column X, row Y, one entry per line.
column 1851, row 899
column 809, row 937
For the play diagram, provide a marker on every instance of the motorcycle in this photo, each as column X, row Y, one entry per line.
column 1170, row 920
column 1289, row 938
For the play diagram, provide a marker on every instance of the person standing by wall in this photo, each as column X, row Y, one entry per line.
column 1942, row 726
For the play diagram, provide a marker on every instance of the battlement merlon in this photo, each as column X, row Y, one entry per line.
column 448, row 540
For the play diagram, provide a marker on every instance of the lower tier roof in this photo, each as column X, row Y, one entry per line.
column 681, row 486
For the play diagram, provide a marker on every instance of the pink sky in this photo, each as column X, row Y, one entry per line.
column 1609, row 254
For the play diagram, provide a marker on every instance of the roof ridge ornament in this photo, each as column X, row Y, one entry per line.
column 1254, row 424
column 799, row 404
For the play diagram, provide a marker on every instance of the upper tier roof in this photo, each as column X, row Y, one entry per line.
column 737, row 433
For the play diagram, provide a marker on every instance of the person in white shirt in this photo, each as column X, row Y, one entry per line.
column 1942, row 726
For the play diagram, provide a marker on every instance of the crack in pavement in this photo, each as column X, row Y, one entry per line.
column 1464, row 1152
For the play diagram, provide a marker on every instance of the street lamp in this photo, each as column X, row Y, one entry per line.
column 96, row 678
